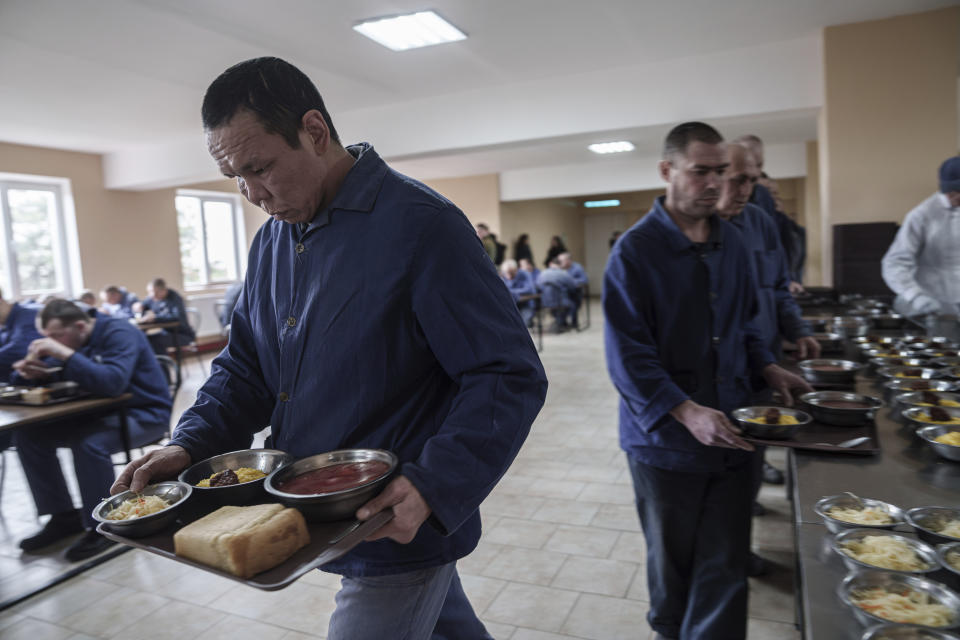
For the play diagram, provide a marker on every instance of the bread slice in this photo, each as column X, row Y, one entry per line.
column 243, row 540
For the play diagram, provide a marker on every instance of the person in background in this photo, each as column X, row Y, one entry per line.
column 163, row 304
column 530, row 268
column 17, row 331
column 679, row 296
column 613, row 238
column 579, row 275
column 88, row 298
column 922, row 266
column 521, row 248
column 779, row 314
column 558, row 290
column 488, row 240
column 108, row 357
column 520, row 284
column 556, row 248
column 230, row 298
column 117, row 302
column 355, row 307
column 793, row 237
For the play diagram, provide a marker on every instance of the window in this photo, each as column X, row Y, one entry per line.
column 211, row 238
column 34, row 257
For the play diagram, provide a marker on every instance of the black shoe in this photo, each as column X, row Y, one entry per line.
column 58, row 527
column 759, row 509
column 88, row 546
column 772, row 475
column 756, row 566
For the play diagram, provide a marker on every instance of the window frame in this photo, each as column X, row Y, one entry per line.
column 239, row 237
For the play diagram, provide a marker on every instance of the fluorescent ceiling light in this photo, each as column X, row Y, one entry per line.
column 410, row 31
column 592, row 204
column 611, row 147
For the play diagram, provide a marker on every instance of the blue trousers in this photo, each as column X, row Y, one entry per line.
column 697, row 528
column 92, row 442
column 428, row 604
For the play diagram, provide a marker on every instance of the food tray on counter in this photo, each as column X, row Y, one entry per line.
column 328, row 541
column 810, row 437
column 20, row 402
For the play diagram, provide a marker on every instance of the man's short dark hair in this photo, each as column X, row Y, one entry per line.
column 158, row 283
column 682, row 135
column 112, row 289
column 274, row 90
column 63, row 310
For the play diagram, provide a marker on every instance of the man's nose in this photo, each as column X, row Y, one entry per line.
column 254, row 192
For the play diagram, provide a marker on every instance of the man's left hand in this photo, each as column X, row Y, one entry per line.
column 796, row 289
column 782, row 381
column 410, row 511
column 48, row 348
column 808, row 348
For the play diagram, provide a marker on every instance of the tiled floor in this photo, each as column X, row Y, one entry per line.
column 561, row 556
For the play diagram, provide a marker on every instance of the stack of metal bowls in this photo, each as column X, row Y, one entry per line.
column 173, row 492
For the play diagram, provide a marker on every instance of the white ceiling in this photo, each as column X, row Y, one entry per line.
column 535, row 81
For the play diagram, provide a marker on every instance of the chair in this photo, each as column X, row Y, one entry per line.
column 219, row 307
column 194, row 319
column 172, row 373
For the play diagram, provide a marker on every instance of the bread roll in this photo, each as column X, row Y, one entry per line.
column 243, row 540
column 36, row 395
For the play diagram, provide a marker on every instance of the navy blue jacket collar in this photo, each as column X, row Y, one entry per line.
column 360, row 188
column 675, row 238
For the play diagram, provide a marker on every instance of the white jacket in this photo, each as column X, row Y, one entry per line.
column 925, row 256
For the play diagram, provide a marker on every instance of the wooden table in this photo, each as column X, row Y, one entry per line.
column 147, row 327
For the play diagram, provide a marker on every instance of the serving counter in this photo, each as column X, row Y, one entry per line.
column 906, row 473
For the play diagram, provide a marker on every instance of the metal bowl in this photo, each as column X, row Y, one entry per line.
column 914, row 416
column 944, row 553
column 875, row 364
column 927, row 522
column 892, row 631
column 926, row 553
column 817, row 323
column 888, row 321
column 891, row 581
column 904, row 401
column 829, row 341
column 925, row 373
column 928, row 434
column 849, row 326
column 842, row 371
column 335, row 505
column 944, row 361
column 844, row 500
column 871, row 339
column 896, row 386
column 266, row 460
column 818, row 402
column 770, row 431
column 175, row 492
column 951, row 373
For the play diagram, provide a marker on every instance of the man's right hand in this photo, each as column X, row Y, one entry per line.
column 709, row 426
column 159, row 464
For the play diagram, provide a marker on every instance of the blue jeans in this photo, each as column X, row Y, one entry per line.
column 92, row 442
column 697, row 528
column 419, row 605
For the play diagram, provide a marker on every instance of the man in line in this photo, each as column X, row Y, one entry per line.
column 108, row 357
column 558, row 289
column 488, row 240
column 579, row 275
column 520, row 284
column 163, row 304
column 779, row 314
column 368, row 301
column 17, row 331
column 922, row 265
column 117, row 302
column 679, row 298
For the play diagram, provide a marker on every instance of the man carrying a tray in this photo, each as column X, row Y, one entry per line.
column 371, row 317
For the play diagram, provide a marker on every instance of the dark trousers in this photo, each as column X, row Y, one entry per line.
column 697, row 528
column 92, row 442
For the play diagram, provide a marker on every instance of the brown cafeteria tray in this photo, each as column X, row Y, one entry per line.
column 817, row 432
column 328, row 541
column 79, row 395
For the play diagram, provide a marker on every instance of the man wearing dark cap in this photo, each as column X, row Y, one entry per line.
column 922, row 265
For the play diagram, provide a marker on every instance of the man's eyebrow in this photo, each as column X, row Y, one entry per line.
column 712, row 166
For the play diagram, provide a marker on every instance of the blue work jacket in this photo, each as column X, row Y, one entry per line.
column 16, row 334
column 779, row 314
column 118, row 359
column 383, row 324
column 169, row 309
column 521, row 284
column 679, row 326
column 793, row 237
column 578, row 273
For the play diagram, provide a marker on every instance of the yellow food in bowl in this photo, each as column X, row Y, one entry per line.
column 137, row 507
column 901, row 374
column 783, row 419
column 943, row 403
column 952, row 438
column 885, row 552
column 925, row 417
column 869, row 515
column 244, row 474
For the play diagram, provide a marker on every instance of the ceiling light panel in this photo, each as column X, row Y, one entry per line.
column 410, row 31
column 619, row 146
column 593, row 204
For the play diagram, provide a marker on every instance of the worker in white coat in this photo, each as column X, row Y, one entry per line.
column 922, row 265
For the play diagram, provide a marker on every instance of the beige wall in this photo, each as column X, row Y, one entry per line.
column 541, row 220
column 125, row 237
column 889, row 118
column 813, row 274
column 477, row 196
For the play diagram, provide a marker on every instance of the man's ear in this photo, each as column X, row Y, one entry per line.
column 316, row 129
column 663, row 168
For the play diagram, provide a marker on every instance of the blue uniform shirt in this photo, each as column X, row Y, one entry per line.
column 520, row 285
column 793, row 237
column 118, row 359
column 124, row 308
column 779, row 313
column 383, row 324
column 678, row 327
column 578, row 274
column 169, row 309
column 16, row 334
